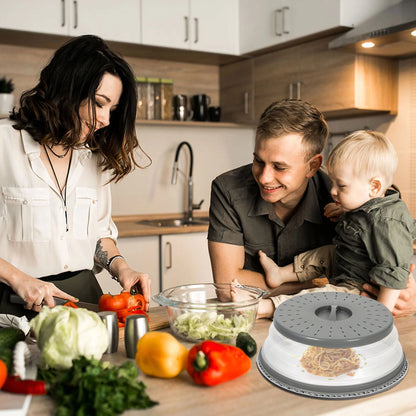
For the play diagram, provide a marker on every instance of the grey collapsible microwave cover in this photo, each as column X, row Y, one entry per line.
column 333, row 320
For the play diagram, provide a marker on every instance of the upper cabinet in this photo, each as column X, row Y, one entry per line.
column 200, row 25
column 274, row 22
column 237, row 92
column 112, row 21
column 338, row 83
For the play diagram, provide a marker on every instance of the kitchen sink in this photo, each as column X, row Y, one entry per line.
column 175, row 222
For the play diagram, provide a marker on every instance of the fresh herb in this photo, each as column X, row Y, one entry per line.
column 91, row 387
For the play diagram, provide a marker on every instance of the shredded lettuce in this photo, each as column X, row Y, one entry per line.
column 212, row 325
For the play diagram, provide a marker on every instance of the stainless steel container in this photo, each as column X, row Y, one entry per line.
column 136, row 326
column 110, row 320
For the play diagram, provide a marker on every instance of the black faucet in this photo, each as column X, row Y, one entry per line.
column 191, row 206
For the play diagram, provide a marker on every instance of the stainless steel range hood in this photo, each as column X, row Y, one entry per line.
column 390, row 31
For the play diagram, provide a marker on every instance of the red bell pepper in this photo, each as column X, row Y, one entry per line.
column 123, row 304
column 15, row 384
column 71, row 305
column 210, row 363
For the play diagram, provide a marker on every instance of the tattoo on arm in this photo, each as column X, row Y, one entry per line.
column 101, row 256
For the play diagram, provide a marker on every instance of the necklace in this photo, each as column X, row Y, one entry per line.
column 56, row 154
column 62, row 191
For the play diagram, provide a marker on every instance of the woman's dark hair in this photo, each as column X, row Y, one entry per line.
column 290, row 116
column 49, row 111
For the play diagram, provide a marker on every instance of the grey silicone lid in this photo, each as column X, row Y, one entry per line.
column 333, row 320
column 334, row 392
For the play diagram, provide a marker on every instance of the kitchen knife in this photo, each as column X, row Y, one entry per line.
column 58, row 301
column 135, row 289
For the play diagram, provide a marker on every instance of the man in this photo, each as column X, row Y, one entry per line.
column 276, row 204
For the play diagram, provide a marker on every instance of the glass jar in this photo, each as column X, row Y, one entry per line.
column 166, row 97
column 153, row 99
column 141, row 83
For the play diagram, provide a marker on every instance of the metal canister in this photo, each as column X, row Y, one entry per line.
column 111, row 322
column 136, row 326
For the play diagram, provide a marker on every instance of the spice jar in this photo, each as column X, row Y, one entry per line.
column 166, row 95
column 141, row 83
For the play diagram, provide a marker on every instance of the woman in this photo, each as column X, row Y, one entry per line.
column 73, row 134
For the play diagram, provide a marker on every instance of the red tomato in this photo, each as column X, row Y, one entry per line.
column 112, row 303
column 123, row 304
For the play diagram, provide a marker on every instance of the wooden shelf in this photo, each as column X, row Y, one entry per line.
column 175, row 123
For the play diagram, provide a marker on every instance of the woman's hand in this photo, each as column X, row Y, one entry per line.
column 333, row 211
column 36, row 293
column 406, row 303
column 129, row 277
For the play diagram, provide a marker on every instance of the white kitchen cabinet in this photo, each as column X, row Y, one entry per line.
column 185, row 259
column 272, row 22
column 208, row 26
column 117, row 21
column 142, row 254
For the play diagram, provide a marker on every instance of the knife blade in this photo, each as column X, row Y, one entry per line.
column 58, row 301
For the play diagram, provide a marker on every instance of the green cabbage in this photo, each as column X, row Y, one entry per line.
column 212, row 325
column 65, row 333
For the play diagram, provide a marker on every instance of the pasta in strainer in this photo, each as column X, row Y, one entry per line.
column 329, row 362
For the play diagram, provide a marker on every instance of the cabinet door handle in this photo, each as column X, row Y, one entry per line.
column 246, row 103
column 284, row 10
column 291, row 90
column 168, row 255
column 75, row 14
column 186, row 29
column 298, row 85
column 63, row 13
column 196, row 30
column 277, row 12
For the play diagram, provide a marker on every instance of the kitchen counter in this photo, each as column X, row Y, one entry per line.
column 251, row 394
column 129, row 226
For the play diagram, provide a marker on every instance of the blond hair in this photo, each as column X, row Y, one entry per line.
column 369, row 153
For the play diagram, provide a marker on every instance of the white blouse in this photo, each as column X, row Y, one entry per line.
column 33, row 234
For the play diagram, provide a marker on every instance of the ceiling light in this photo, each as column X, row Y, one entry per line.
column 368, row 45
column 413, row 32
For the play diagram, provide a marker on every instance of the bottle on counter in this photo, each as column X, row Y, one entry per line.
column 141, row 83
column 166, row 97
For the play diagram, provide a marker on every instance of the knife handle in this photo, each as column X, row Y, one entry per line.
column 18, row 300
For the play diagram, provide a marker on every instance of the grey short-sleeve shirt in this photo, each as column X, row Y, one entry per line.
column 239, row 216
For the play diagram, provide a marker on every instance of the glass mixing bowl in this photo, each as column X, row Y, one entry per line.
column 214, row 311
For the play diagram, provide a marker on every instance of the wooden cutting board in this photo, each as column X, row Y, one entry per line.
column 158, row 318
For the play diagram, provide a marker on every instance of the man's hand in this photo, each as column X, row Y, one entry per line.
column 406, row 303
